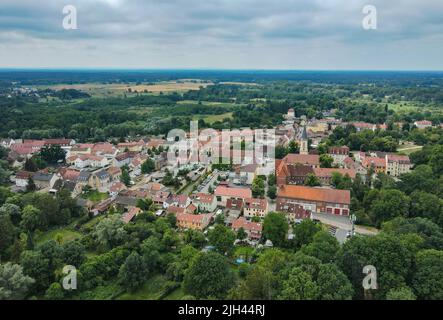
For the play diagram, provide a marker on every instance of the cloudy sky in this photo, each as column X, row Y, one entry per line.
column 228, row 34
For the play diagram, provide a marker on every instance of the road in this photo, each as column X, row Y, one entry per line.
column 342, row 222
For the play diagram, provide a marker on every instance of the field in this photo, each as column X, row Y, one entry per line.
column 408, row 148
column 154, row 289
column 60, row 235
column 101, row 90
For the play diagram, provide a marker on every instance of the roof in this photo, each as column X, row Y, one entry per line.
column 203, row 197
column 126, row 201
column 23, row 175
column 102, row 174
column 304, row 134
column 193, row 218
column 338, row 150
column 246, row 225
column 254, row 203
column 233, row 192
column 398, row 158
column 39, row 176
column 377, row 162
column 69, row 174
column 315, row 194
column 311, row 159
column 117, row 186
column 84, row 176
column 128, row 216
column 60, row 142
column 114, row 171
column 234, row 204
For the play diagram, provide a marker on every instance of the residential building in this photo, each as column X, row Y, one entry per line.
column 254, row 207
column 205, row 202
column 325, row 174
column 423, row 124
column 319, row 200
column 193, row 221
column 252, row 229
column 312, row 160
column 223, row 193
column 339, row 154
column 397, row 164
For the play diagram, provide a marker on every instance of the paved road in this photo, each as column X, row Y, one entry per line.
column 211, row 183
column 341, row 223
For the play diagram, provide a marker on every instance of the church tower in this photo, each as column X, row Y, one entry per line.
column 304, row 141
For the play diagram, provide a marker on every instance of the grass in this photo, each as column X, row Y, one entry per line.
column 152, row 290
column 177, row 294
column 211, row 118
column 95, row 196
column 62, row 235
column 408, row 148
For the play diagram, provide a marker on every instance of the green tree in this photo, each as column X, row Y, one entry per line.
column 427, row 281
column 326, row 161
column 55, row 292
column 324, row 246
column 387, row 204
column 14, row 284
column 125, row 178
column 298, row 286
column 275, row 228
column 241, row 234
column 305, row 231
column 222, row 238
column 7, row 233
column 272, row 192
column 333, row 283
column 312, row 180
column 148, row 166
column 132, row 273
column 32, row 219
column 110, row 232
column 208, row 276
column 403, row 293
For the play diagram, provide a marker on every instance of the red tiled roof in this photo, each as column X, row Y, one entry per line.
column 233, row 192
column 311, row 159
column 254, row 203
column 315, row 194
column 246, row 225
column 203, row 197
column 128, row 216
column 327, row 172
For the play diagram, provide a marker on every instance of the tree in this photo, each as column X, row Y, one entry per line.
column 258, row 187
column 256, row 286
column 73, row 253
column 312, row 180
column 241, row 234
column 427, row 278
column 148, row 166
column 132, row 273
column 110, row 231
column 30, row 186
column 402, row 293
column 208, row 276
column 305, row 231
column 272, row 192
column 326, row 161
column 30, row 165
column 7, row 233
column 222, row 238
column 324, row 246
column 195, row 238
column 52, row 154
column 14, row 284
column 275, row 228
column 125, row 178
column 13, row 211
column 37, row 266
column 298, row 286
column 32, row 219
column 387, row 204
column 427, row 205
column 55, row 292
column 333, row 283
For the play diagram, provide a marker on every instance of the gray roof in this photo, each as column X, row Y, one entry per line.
column 126, row 201
column 102, row 174
column 42, row 176
column 84, row 176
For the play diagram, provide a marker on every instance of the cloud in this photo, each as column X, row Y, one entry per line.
column 302, row 34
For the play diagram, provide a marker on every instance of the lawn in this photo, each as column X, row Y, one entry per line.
column 62, row 235
column 95, row 196
column 408, row 148
column 211, row 118
column 153, row 289
column 177, row 294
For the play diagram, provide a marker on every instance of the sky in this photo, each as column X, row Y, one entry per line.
column 222, row 34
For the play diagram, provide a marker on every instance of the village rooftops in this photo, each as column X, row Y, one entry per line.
column 203, row 197
column 307, row 159
column 254, row 203
column 327, row 172
column 315, row 194
column 233, row 192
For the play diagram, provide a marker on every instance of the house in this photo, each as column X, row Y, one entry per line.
column 123, row 159
column 68, row 174
column 312, row 160
column 179, row 200
column 43, row 180
column 22, row 177
column 234, row 207
column 223, row 193
column 85, row 178
column 423, row 124
column 134, row 146
column 130, row 214
column 104, row 149
column 296, row 213
column 114, row 173
column 255, row 207
column 193, row 221
column 6, row 143
column 319, row 200
column 102, row 180
column 245, row 174
column 252, row 229
column 87, row 160
column 325, row 174
column 102, row 206
column 339, row 154
column 116, row 188
column 349, row 163
column 292, row 173
column 397, row 165
column 205, row 202
column 160, row 198
column 360, row 126
column 378, row 164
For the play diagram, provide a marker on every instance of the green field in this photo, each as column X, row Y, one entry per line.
column 62, row 235
column 154, row 289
